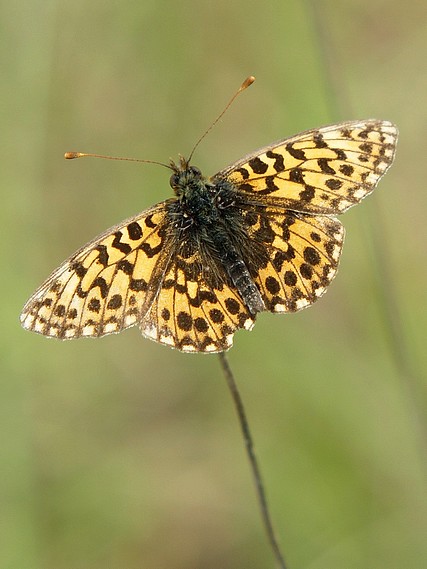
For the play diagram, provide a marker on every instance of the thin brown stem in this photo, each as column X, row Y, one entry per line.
column 249, row 445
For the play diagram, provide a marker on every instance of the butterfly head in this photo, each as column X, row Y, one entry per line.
column 185, row 179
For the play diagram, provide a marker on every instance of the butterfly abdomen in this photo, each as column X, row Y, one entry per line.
column 238, row 272
column 233, row 265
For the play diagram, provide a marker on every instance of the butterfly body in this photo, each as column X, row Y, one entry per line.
column 259, row 235
column 208, row 218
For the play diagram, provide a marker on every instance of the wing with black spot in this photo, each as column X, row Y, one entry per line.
column 197, row 309
column 324, row 170
column 302, row 256
column 108, row 284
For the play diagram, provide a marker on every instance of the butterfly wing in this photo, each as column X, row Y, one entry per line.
column 108, row 284
column 320, row 171
column 140, row 272
column 197, row 309
column 301, row 256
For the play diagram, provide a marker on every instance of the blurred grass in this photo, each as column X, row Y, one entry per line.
column 120, row 453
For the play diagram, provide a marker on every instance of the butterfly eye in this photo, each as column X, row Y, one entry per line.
column 173, row 180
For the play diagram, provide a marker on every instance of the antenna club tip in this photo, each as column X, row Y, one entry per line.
column 72, row 155
column 248, row 82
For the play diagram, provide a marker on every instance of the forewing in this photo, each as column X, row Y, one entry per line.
column 107, row 285
column 325, row 170
column 195, row 310
column 302, row 255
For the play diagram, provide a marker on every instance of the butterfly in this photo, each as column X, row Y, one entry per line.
column 260, row 235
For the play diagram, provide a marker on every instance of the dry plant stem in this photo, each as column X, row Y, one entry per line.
column 249, row 445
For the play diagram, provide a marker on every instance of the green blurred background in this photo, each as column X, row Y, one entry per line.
column 120, row 453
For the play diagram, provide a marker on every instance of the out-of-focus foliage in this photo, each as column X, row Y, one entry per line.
column 120, row 453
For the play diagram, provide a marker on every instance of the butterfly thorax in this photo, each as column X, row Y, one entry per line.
column 196, row 196
column 208, row 216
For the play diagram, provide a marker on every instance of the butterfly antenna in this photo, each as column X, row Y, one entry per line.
column 73, row 155
column 246, row 83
